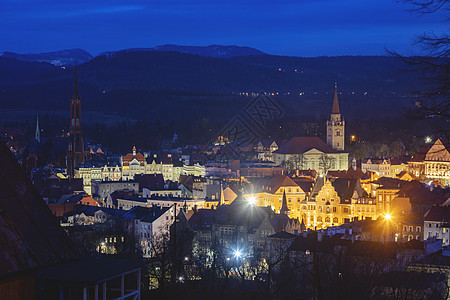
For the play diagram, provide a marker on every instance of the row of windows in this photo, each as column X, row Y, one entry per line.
column 327, row 219
column 363, row 209
column 411, row 228
column 113, row 240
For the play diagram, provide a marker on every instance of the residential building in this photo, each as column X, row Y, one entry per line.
column 148, row 227
column 437, row 224
column 269, row 193
column 265, row 149
column 102, row 189
column 379, row 165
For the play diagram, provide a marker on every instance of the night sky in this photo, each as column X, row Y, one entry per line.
column 283, row 27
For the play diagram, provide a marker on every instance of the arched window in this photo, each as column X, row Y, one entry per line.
column 319, row 219
column 335, row 220
column 338, row 133
column 327, row 220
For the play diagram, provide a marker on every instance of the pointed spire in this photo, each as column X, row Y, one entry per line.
column 185, row 206
column 222, row 196
column 335, row 101
column 76, row 93
column 134, row 150
column 284, row 208
column 37, row 135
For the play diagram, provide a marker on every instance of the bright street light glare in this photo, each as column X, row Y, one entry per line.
column 237, row 253
column 252, row 200
column 387, row 217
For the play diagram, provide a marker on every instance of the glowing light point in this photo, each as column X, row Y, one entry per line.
column 252, row 200
column 387, row 217
column 237, row 254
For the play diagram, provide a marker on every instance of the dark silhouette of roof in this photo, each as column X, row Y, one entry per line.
column 240, row 212
column 418, row 193
column 282, row 235
column 30, row 236
column 438, row 214
column 390, row 183
column 300, row 145
column 345, row 188
column 145, row 214
column 421, row 154
column 150, row 181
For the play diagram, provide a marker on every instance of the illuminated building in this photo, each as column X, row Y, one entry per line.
column 312, row 153
column 432, row 163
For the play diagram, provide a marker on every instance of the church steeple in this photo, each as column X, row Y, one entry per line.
column 222, row 196
column 335, row 109
column 284, row 208
column 336, row 126
column 75, row 153
column 37, row 134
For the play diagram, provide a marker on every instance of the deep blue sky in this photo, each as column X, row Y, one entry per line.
column 284, row 27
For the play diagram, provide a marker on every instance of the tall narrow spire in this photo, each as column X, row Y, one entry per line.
column 37, row 134
column 335, row 101
column 75, row 93
column 222, row 196
column 284, row 208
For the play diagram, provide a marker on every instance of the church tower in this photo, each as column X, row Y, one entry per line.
column 75, row 153
column 336, row 126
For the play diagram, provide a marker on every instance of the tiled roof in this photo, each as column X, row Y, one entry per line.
column 438, row 214
column 346, row 187
column 277, row 181
column 150, row 181
column 30, row 236
column 419, row 193
column 129, row 157
column 421, row 154
column 300, row 145
column 145, row 214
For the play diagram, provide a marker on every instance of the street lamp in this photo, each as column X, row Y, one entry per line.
column 237, row 254
column 252, row 200
column 387, row 217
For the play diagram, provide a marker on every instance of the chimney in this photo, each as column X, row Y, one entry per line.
column 354, row 164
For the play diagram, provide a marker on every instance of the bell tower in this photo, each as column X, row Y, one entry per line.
column 336, row 126
column 75, row 153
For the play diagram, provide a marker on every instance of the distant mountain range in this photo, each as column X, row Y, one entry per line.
column 207, row 80
column 71, row 56
column 58, row 58
column 216, row 51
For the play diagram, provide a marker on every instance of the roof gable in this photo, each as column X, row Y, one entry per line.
column 438, row 152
